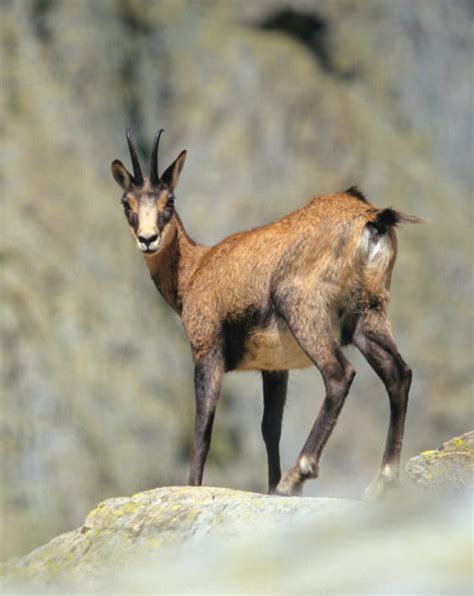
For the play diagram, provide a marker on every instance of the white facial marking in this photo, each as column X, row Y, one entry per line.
column 148, row 226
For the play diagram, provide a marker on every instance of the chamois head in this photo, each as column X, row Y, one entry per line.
column 148, row 203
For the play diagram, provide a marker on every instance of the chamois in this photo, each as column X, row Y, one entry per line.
column 281, row 296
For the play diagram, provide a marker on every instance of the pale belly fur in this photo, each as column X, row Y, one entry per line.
column 273, row 348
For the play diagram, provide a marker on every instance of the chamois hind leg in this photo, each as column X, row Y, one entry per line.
column 208, row 371
column 317, row 340
column 275, row 384
column 373, row 337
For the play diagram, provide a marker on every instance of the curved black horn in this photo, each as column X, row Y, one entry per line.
column 154, row 175
column 137, row 171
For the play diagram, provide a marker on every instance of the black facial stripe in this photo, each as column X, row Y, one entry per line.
column 132, row 219
column 163, row 218
column 166, row 214
column 161, row 221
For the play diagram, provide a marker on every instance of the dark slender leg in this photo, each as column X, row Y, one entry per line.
column 207, row 384
column 373, row 338
column 274, row 395
column 315, row 338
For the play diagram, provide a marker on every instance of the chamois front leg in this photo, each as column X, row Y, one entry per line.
column 208, row 370
column 275, row 384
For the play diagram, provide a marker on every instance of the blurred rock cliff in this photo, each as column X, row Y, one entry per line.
column 276, row 102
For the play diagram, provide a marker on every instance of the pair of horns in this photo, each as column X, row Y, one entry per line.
column 137, row 171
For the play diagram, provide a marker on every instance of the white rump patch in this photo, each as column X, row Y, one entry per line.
column 378, row 246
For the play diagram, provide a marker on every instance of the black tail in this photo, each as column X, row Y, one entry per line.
column 387, row 218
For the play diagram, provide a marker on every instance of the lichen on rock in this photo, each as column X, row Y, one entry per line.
column 448, row 469
column 189, row 540
column 170, row 519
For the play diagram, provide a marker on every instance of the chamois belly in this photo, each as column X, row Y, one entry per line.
column 272, row 348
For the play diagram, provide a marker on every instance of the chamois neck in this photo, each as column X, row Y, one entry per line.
column 173, row 267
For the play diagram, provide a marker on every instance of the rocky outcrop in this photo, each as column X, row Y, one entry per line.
column 448, row 469
column 219, row 541
column 167, row 520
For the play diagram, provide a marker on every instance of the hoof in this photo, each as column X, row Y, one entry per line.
column 291, row 484
column 297, row 491
column 381, row 486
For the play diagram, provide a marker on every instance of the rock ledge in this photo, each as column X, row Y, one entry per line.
column 128, row 528
column 447, row 469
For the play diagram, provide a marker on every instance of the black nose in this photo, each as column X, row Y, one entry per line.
column 148, row 240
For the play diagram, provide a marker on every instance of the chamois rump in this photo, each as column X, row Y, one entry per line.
column 282, row 296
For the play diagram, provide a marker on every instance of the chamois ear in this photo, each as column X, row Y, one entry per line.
column 121, row 175
column 171, row 175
